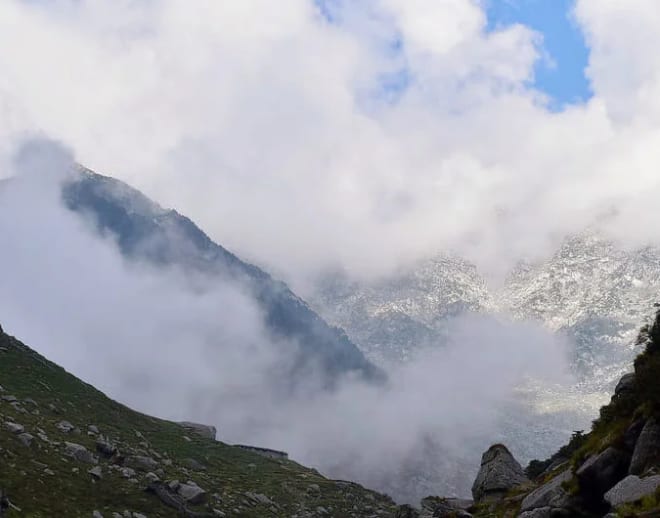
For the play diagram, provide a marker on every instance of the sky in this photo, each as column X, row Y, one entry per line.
column 360, row 135
column 561, row 72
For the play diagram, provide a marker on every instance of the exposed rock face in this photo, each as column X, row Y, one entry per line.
column 600, row 472
column 499, row 472
column 203, row 430
column 551, row 494
column 647, row 449
column 632, row 488
column 626, row 384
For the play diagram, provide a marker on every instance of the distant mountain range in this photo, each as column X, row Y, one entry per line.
column 145, row 231
column 591, row 291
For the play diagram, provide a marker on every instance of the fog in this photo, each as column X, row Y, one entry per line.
column 178, row 348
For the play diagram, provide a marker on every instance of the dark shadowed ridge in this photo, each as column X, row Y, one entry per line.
column 145, row 231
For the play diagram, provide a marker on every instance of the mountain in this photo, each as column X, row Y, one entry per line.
column 591, row 291
column 144, row 231
column 392, row 317
column 66, row 450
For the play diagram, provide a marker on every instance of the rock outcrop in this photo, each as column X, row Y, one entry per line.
column 632, row 488
column 550, row 495
column 647, row 448
column 498, row 473
column 202, row 430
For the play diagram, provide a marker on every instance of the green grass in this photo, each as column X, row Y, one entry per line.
column 71, row 492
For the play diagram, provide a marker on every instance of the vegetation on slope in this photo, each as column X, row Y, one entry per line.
column 127, row 453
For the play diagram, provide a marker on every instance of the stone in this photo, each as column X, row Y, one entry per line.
column 49, row 472
column 93, row 429
column 406, row 511
column 105, row 448
column 202, row 430
column 97, row 514
column 632, row 433
column 65, row 426
column 498, row 473
column 96, row 472
column 647, row 448
column 141, row 462
column 9, row 399
column 26, row 439
column 193, row 464
column 632, row 488
column 192, row 493
column 151, row 477
column 14, row 428
column 139, row 515
column 259, row 498
column 601, row 471
column 546, row 512
column 80, row 453
column 550, row 494
column 626, row 384
column 127, row 472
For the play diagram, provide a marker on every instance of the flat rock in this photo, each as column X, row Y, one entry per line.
column 632, row 488
column 550, row 494
column 498, row 473
column 647, row 448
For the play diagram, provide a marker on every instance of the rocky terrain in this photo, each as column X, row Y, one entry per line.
column 613, row 471
column 66, row 450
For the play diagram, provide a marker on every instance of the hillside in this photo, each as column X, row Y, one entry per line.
column 66, row 450
column 144, row 231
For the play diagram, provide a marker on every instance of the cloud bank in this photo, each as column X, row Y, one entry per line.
column 181, row 349
column 304, row 135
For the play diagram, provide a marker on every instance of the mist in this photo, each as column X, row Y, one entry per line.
column 198, row 349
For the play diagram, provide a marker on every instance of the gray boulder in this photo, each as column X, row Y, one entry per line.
column 632, row 488
column 26, row 439
column 65, row 426
column 80, row 453
column 551, row 494
column 546, row 512
column 192, row 493
column 202, row 430
column 600, row 472
column 406, row 511
column 647, row 448
column 498, row 473
column 626, row 384
column 14, row 427
column 142, row 463
column 96, row 472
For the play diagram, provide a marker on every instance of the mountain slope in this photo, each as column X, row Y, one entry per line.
column 55, row 429
column 145, row 231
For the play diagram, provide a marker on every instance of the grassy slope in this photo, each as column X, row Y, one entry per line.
column 72, row 492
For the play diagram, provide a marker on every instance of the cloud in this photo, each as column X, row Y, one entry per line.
column 178, row 348
column 387, row 132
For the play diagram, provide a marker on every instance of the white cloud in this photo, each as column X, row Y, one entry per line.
column 263, row 122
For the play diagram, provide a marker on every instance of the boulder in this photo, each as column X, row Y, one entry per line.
column 96, row 472
column 632, row 433
column 26, row 439
column 105, row 447
column 192, row 493
column 546, row 512
column 406, row 511
column 202, row 430
column 626, row 384
column 14, row 428
column 498, row 473
column 600, row 472
column 141, row 462
column 80, row 453
column 551, row 494
column 65, row 426
column 632, row 488
column 647, row 448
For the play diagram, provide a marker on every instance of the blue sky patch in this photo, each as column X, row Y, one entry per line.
column 562, row 77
